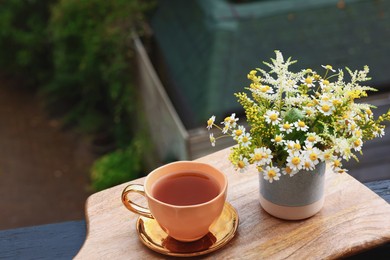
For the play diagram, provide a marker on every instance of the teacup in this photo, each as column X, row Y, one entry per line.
column 184, row 197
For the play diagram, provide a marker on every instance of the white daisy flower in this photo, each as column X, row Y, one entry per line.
column 266, row 156
column 308, row 81
column 293, row 146
column 300, row 125
column 325, row 108
column 308, row 165
column 313, row 154
column 328, row 67
column 257, row 156
column 286, row 127
column 272, row 117
column 245, row 140
column 230, row 121
column 311, row 139
column 238, row 133
column 309, row 111
column 242, row 164
column 271, row 173
column 278, row 139
column 325, row 84
column 295, row 161
column 265, row 89
column 288, row 171
column 352, row 126
column 336, row 165
column 210, row 122
column 357, row 144
column 328, row 155
column 379, row 133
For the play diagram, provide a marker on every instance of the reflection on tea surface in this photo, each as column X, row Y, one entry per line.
column 183, row 189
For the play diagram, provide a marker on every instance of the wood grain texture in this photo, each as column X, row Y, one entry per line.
column 353, row 219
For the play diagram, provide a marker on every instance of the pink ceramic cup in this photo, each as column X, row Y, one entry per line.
column 184, row 223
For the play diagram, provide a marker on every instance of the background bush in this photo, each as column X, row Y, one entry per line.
column 25, row 51
column 92, row 84
column 79, row 55
column 117, row 167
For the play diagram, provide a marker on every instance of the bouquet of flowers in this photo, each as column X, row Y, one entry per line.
column 297, row 120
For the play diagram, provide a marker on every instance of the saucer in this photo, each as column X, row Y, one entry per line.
column 221, row 232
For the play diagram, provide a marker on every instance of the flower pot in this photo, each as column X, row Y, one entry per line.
column 293, row 198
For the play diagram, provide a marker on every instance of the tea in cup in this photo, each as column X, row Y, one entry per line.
column 184, row 197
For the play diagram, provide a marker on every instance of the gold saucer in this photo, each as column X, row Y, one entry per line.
column 221, row 232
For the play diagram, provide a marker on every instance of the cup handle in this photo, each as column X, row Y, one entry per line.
column 130, row 205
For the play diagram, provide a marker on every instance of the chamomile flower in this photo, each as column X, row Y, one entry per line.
column 300, row 125
column 308, row 165
column 272, row 117
column 293, row 146
column 351, row 127
column 230, row 121
column 379, row 132
column 257, row 156
column 286, row 127
column 210, row 122
column 266, row 89
column 271, row 173
column 336, row 165
column 238, row 133
column 325, row 84
column 278, row 139
column 288, row 171
column 328, row 155
column 266, row 156
column 312, row 138
column 308, row 81
column 357, row 144
column 245, row 140
column 242, row 164
column 212, row 139
column 328, row 67
column 309, row 111
column 294, row 161
column 325, row 108
column 313, row 154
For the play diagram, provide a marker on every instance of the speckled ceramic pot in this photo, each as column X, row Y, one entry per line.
column 294, row 198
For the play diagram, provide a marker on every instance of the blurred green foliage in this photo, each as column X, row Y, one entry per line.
column 79, row 56
column 93, row 72
column 25, row 51
column 117, row 167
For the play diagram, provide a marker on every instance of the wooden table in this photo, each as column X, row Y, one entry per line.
column 353, row 219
